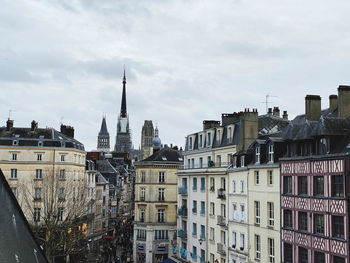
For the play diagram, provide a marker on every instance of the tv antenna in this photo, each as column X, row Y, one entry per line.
column 10, row 114
column 267, row 101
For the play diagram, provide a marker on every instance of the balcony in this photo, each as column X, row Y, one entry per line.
column 182, row 234
column 221, row 249
column 183, row 190
column 140, row 238
column 202, row 260
column 194, row 210
column 182, row 211
column 221, row 221
column 222, row 193
column 194, row 256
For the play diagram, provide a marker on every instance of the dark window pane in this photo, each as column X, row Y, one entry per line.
column 338, row 226
column 303, row 255
column 319, row 224
column 318, row 186
column 302, row 185
column 319, row 257
column 288, row 253
column 302, row 220
column 287, row 184
column 338, row 260
column 288, row 220
column 337, row 186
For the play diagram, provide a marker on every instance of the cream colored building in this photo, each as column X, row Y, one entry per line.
column 155, row 205
column 45, row 169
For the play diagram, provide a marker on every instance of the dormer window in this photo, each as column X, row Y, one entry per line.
column 242, row 160
column 257, row 154
column 209, row 139
column 229, row 131
column 190, row 144
column 271, row 157
column 234, row 161
column 219, row 136
column 200, row 140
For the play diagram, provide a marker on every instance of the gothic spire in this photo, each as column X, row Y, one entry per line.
column 103, row 130
column 123, row 106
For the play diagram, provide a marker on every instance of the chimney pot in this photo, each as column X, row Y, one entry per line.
column 9, row 125
column 285, row 115
column 276, row 111
column 269, row 111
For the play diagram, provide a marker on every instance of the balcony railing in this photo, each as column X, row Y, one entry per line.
column 221, row 221
column 222, row 193
column 141, row 238
column 221, row 249
column 182, row 211
column 194, row 256
column 202, row 260
column 183, row 190
column 181, row 233
column 210, row 165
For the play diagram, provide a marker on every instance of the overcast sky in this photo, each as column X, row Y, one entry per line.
column 186, row 61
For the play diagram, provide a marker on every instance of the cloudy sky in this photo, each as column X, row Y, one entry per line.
column 186, row 60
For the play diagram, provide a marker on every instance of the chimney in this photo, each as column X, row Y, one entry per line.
column 333, row 102
column 285, row 115
column 207, row 124
column 269, row 112
column 67, row 130
column 276, row 111
column 34, row 125
column 9, row 125
column 344, row 101
column 248, row 130
column 229, row 118
column 313, row 107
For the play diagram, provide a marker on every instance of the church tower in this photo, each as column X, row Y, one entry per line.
column 146, row 139
column 123, row 138
column 103, row 137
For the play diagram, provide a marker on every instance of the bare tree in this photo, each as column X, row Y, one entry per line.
column 55, row 205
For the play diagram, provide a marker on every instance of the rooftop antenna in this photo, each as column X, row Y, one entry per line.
column 267, row 101
column 10, row 114
column 61, row 120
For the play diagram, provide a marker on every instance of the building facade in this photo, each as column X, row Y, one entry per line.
column 155, row 205
column 147, row 135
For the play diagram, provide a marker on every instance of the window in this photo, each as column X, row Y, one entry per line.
column 270, row 177
column 143, row 176
column 337, row 186
column 257, row 247
column 161, row 235
column 302, row 185
column 287, row 184
column 271, row 213
column 195, row 183
column 257, row 212
column 62, row 174
column 202, row 208
column 212, row 234
column 242, row 161
column 142, row 194
column 202, row 259
column 209, row 139
column 210, row 164
column 161, row 215
column 63, row 158
column 36, row 215
column 218, row 160
column 61, row 193
column 212, row 208
column 200, row 162
column 192, row 162
column 13, row 173
column 318, row 224
column 234, row 238
column 288, row 253
column 14, row 157
column 194, row 252
column 194, row 231
column 188, row 163
column 302, row 221
column 161, row 192
column 202, row 184
column 242, row 186
column 319, row 257
column 142, row 215
column 271, row 243
column 201, row 140
column 223, row 183
column 271, row 153
column 303, row 257
column 223, row 237
column 233, row 186
column 194, row 209
column 190, row 144
column 287, row 218
column 242, row 213
column 38, row 174
column 234, row 161
column 212, row 184
column 257, row 178
column 202, row 231
column 318, row 186
column 338, row 259
column 37, row 193
column 161, row 177
column 338, row 226
column 60, row 214
column 257, row 154
column 242, row 241
column 39, row 157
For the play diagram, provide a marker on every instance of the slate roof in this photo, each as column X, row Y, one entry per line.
column 17, row 242
column 48, row 136
column 165, row 155
column 270, row 124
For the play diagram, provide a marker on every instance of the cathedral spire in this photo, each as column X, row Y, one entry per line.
column 103, row 130
column 123, row 106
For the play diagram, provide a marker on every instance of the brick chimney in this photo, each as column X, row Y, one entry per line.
column 312, row 107
column 208, row 124
column 269, row 111
column 248, row 130
column 276, row 111
column 34, row 125
column 229, row 118
column 333, row 102
column 9, row 125
column 285, row 115
column 67, row 130
column 344, row 101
